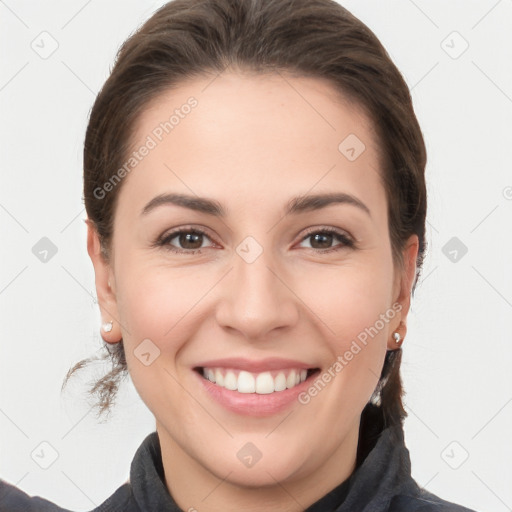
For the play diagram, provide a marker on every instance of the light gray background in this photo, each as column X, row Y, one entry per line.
column 458, row 352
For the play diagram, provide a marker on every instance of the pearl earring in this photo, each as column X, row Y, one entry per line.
column 107, row 326
column 397, row 337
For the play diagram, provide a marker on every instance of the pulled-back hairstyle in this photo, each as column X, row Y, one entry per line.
column 315, row 38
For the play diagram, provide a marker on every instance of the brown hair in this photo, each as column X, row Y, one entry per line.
column 315, row 38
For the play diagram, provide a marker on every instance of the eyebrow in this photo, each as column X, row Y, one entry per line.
column 296, row 205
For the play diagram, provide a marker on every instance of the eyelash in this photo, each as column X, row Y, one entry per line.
column 346, row 241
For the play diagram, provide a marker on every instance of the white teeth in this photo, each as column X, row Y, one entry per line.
column 280, row 382
column 230, row 381
column 219, row 378
column 262, row 383
column 290, row 381
column 246, row 383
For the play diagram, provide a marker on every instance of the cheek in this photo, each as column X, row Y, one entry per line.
column 349, row 299
column 154, row 302
column 354, row 312
column 158, row 316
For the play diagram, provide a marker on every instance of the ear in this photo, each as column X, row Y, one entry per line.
column 404, row 282
column 105, row 286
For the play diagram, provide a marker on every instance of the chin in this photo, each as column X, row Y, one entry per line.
column 262, row 474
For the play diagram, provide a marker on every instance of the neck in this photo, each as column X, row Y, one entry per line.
column 195, row 487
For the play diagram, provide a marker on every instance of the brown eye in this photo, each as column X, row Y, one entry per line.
column 187, row 241
column 322, row 240
column 190, row 240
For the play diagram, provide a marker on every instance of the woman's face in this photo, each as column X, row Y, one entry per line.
column 269, row 286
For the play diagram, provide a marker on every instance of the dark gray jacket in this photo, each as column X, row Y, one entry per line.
column 381, row 482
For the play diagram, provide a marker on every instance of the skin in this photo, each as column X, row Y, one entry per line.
column 252, row 143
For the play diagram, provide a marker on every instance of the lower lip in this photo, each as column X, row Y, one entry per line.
column 254, row 404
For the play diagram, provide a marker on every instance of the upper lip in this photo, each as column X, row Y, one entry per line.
column 255, row 366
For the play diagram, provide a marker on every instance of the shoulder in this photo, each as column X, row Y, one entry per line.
column 121, row 501
column 424, row 502
column 13, row 499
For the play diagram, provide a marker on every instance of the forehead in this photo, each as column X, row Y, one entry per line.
column 258, row 138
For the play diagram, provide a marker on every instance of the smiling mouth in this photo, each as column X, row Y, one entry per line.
column 262, row 383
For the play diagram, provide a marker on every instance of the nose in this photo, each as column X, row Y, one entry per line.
column 257, row 299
